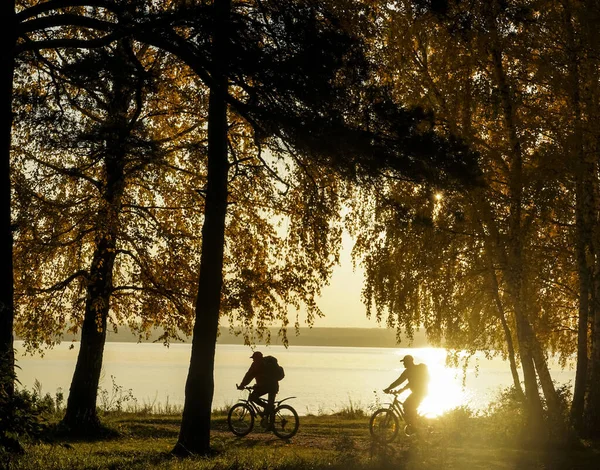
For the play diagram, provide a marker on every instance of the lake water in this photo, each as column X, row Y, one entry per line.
column 323, row 379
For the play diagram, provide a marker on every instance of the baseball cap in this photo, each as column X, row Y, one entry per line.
column 256, row 354
column 407, row 358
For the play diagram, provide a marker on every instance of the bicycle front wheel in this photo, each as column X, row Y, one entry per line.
column 285, row 422
column 240, row 419
column 384, row 425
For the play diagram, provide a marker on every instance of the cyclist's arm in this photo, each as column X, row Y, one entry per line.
column 397, row 382
column 248, row 377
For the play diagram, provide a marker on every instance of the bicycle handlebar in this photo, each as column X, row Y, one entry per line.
column 245, row 388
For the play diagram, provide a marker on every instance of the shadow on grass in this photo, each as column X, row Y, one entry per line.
column 60, row 433
column 257, row 439
column 164, row 420
column 155, row 432
column 114, row 430
column 138, row 459
column 585, row 459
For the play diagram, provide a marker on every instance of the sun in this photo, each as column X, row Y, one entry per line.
column 445, row 388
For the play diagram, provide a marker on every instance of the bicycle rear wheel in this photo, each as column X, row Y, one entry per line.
column 285, row 422
column 384, row 425
column 240, row 419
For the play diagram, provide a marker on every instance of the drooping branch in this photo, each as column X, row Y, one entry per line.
column 82, row 273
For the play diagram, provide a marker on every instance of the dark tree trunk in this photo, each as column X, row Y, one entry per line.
column 560, row 429
column 591, row 424
column 509, row 340
column 81, row 415
column 194, row 435
column 592, row 411
column 585, row 255
column 592, row 406
column 583, row 221
column 7, row 358
column 533, row 401
column 81, row 405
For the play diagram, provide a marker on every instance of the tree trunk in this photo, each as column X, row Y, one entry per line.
column 585, row 270
column 592, row 409
column 560, row 430
column 533, row 403
column 591, row 423
column 583, row 224
column 81, row 416
column 194, row 435
column 81, row 412
column 7, row 358
column 490, row 247
column 509, row 341
column 515, row 259
column 592, row 406
column 81, row 404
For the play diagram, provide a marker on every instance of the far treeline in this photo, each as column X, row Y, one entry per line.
column 180, row 164
column 346, row 337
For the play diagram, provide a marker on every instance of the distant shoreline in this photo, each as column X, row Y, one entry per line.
column 340, row 337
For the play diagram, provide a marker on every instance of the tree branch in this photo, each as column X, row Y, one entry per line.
column 60, row 285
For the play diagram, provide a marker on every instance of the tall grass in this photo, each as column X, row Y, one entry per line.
column 352, row 410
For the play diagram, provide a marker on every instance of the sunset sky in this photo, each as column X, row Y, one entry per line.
column 341, row 302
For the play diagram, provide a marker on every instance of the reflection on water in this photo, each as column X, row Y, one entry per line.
column 323, row 379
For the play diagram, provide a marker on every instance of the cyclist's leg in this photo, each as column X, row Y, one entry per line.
column 271, row 401
column 255, row 395
column 273, row 388
column 410, row 409
column 411, row 404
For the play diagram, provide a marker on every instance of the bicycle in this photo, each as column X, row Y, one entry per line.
column 385, row 422
column 241, row 416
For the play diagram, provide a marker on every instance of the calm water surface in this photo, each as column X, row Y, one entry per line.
column 323, row 379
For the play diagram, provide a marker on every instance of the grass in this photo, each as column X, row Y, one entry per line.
column 339, row 441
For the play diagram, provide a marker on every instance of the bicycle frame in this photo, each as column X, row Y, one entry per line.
column 254, row 407
column 397, row 407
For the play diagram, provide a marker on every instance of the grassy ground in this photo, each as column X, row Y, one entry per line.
column 339, row 442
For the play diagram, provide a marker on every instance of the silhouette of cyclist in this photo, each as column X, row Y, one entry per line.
column 265, row 383
column 417, row 376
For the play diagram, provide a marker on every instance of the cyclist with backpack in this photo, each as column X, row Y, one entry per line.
column 267, row 373
column 417, row 377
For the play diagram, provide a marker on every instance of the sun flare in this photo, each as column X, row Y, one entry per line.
column 445, row 388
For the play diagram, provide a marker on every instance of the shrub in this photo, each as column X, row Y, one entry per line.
column 505, row 417
column 458, row 423
column 21, row 417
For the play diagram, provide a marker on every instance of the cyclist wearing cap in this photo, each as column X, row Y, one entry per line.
column 418, row 379
column 264, row 383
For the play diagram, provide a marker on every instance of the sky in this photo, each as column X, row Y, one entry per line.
column 340, row 301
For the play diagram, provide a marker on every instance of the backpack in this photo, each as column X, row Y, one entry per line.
column 420, row 379
column 272, row 368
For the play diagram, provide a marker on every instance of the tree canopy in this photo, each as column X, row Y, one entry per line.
column 175, row 162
